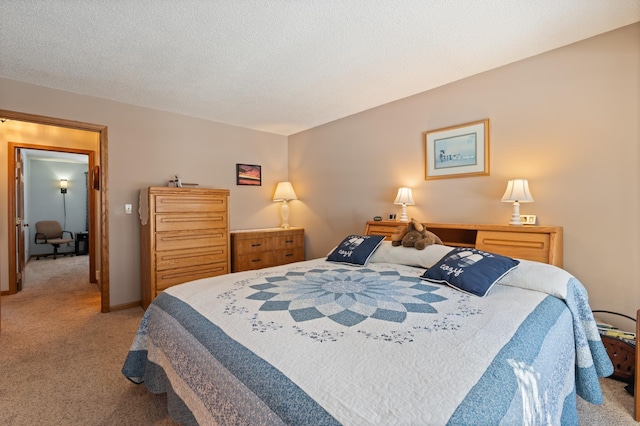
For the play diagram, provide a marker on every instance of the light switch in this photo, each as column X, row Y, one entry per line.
column 127, row 208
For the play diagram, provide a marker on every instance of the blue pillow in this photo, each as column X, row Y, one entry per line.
column 355, row 249
column 470, row 270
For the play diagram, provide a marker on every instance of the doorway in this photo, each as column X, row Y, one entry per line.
column 40, row 197
column 98, row 217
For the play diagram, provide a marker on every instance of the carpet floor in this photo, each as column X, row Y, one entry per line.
column 60, row 358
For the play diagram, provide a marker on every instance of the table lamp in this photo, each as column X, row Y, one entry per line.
column 405, row 198
column 284, row 192
column 517, row 192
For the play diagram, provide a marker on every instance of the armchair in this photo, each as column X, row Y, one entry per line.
column 50, row 232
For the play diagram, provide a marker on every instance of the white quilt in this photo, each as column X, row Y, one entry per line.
column 332, row 344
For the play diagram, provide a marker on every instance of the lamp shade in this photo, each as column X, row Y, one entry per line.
column 284, row 192
column 517, row 190
column 404, row 197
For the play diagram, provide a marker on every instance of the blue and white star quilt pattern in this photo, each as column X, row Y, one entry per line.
column 321, row 343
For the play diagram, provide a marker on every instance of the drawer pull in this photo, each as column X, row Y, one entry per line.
column 511, row 243
column 288, row 255
column 256, row 244
column 256, row 260
column 288, row 241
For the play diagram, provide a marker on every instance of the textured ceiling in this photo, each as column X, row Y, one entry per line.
column 281, row 66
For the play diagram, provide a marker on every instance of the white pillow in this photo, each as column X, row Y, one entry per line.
column 386, row 253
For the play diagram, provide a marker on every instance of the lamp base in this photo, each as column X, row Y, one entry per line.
column 403, row 215
column 284, row 214
column 515, row 215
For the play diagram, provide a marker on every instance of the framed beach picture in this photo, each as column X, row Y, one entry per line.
column 248, row 174
column 457, row 151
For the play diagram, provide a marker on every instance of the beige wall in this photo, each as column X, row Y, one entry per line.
column 568, row 120
column 147, row 147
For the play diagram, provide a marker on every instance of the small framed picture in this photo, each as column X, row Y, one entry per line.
column 457, row 151
column 248, row 174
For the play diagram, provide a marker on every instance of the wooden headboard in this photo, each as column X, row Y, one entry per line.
column 539, row 243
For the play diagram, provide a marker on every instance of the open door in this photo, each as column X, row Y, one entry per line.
column 20, row 224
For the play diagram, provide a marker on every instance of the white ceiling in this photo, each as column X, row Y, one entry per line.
column 281, row 66
column 63, row 157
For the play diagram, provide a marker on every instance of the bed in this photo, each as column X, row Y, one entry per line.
column 375, row 342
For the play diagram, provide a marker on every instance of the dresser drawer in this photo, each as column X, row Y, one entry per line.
column 245, row 246
column 190, row 221
column 522, row 245
column 191, row 239
column 186, row 203
column 190, row 257
column 171, row 277
column 253, row 261
column 288, row 241
column 285, row 256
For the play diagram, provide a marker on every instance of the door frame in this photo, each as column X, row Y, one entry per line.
column 99, row 186
column 91, row 165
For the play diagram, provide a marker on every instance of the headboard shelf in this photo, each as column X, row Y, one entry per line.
column 456, row 236
column 539, row 243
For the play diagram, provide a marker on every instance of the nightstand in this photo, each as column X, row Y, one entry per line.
column 261, row 248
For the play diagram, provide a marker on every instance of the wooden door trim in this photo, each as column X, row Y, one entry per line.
column 103, row 244
column 91, row 154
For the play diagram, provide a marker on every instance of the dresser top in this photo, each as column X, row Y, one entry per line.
column 240, row 231
column 173, row 190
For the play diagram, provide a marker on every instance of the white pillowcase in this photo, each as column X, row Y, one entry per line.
column 386, row 253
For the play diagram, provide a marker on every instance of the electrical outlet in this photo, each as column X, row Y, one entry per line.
column 528, row 219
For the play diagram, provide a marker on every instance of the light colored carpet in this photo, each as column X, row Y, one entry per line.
column 617, row 408
column 60, row 358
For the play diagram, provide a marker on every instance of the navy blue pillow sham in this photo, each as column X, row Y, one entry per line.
column 355, row 249
column 470, row 270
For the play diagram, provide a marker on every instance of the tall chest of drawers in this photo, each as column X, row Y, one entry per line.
column 184, row 235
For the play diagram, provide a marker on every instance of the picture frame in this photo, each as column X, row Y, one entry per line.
column 248, row 174
column 457, row 151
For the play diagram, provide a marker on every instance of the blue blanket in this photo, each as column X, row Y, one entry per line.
column 592, row 360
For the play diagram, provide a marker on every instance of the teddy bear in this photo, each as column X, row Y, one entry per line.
column 414, row 235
